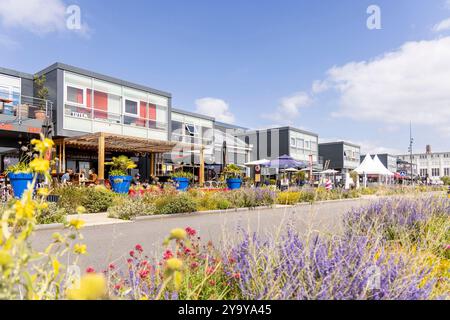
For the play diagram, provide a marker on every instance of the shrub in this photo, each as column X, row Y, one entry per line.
column 70, row 197
column 126, row 208
column 289, row 197
column 94, row 199
column 97, row 199
column 180, row 203
column 52, row 214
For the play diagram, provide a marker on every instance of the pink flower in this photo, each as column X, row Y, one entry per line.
column 132, row 253
column 167, row 255
column 118, row 286
column 112, row 266
column 447, row 247
column 194, row 265
column 190, row 231
column 90, row 270
column 237, row 275
column 144, row 273
column 187, row 250
column 139, row 248
column 130, row 261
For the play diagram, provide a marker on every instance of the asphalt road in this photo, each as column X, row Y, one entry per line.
column 111, row 243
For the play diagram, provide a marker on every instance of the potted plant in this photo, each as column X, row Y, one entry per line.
column 20, row 175
column 118, row 175
column 182, row 179
column 232, row 175
column 42, row 94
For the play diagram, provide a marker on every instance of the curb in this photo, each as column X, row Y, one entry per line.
column 50, row 226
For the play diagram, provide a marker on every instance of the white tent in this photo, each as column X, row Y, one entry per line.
column 368, row 166
column 261, row 162
column 329, row 171
column 380, row 165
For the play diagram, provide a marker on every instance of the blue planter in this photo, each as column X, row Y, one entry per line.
column 182, row 183
column 234, row 183
column 120, row 184
column 19, row 182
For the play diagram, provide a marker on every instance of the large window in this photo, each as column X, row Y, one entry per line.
column 131, row 107
column 75, row 95
column 435, row 172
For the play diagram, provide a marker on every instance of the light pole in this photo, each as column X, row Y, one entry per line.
column 410, row 149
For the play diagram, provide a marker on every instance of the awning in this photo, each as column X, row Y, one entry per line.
column 120, row 143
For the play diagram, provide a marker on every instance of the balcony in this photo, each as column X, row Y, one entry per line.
column 23, row 113
column 91, row 120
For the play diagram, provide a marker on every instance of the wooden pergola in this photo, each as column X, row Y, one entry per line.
column 102, row 142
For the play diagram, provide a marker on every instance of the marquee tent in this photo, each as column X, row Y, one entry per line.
column 380, row 165
column 369, row 167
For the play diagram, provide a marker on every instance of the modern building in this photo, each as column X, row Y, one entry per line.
column 94, row 117
column 340, row 155
column 274, row 142
column 433, row 165
column 22, row 116
column 388, row 160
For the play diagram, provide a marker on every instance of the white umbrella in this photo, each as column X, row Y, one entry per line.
column 291, row 170
column 329, row 171
column 261, row 162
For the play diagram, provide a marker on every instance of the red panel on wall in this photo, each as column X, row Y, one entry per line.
column 152, row 112
column 100, row 103
column 89, row 98
column 142, row 114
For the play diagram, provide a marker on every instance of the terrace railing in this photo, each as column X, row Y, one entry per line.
column 100, row 115
column 23, row 108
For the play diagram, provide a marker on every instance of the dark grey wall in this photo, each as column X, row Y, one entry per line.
column 27, row 87
column 268, row 144
column 334, row 153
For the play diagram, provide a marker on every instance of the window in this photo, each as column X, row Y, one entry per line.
column 447, row 172
column 435, row 172
column 191, row 130
column 423, row 172
column 293, row 143
column 300, row 143
column 131, row 107
column 75, row 95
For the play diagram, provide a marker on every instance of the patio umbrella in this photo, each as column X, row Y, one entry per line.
column 285, row 162
column 329, row 171
column 261, row 162
column 291, row 170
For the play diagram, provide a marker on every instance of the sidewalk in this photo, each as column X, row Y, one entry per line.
column 96, row 219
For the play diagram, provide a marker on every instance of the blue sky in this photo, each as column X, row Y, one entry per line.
column 255, row 62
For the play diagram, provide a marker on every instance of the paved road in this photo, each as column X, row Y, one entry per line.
column 107, row 243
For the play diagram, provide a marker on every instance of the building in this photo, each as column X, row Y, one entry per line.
column 340, row 155
column 274, row 142
column 22, row 116
column 433, row 165
column 388, row 160
column 94, row 117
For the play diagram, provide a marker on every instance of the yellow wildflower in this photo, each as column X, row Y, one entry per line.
column 39, row 165
column 5, row 258
column 177, row 279
column 92, row 287
column 178, row 234
column 56, row 265
column 174, row 264
column 43, row 192
column 42, row 145
column 80, row 209
column 77, row 223
column 24, row 210
column 79, row 248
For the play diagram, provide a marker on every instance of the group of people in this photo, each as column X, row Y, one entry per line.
column 69, row 177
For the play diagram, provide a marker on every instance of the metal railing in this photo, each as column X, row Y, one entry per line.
column 95, row 114
column 25, row 107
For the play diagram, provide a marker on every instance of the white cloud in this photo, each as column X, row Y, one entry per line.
column 410, row 83
column 319, row 86
column 8, row 43
column 444, row 25
column 38, row 16
column 216, row 108
column 289, row 108
column 367, row 146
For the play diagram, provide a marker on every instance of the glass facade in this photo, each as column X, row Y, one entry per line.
column 302, row 145
column 10, row 90
column 92, row 105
